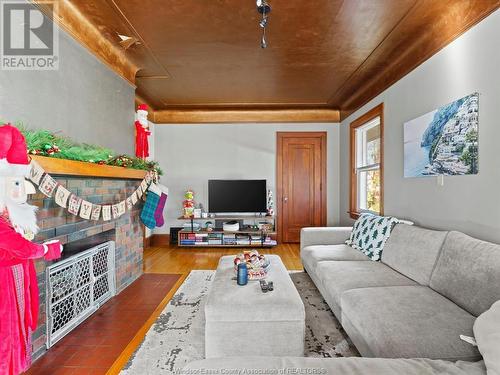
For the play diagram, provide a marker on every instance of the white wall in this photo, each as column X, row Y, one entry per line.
column 190, row 155
column 467, row 203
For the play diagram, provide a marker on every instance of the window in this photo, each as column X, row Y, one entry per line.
column 367, row 163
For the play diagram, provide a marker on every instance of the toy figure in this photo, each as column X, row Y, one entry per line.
column 188, row 204
column 270, row 203
column 142, row 132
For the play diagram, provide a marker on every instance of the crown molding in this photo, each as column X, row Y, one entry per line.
column 389, row 63
column 69, row 18
column 183, row 116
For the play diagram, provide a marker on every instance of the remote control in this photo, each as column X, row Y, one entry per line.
column 263, row 286
column 270, row 286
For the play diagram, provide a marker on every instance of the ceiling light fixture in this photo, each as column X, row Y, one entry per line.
column 264, row 9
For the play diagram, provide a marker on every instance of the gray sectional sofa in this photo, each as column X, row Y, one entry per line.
column 427, row 291
column 408, row 310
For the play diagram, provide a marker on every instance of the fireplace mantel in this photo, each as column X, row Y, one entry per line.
column 64, row 167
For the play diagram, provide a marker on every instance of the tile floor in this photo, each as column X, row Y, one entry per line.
column 95, row 345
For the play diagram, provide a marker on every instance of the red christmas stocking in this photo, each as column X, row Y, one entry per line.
column 158, row 215
column 159, row 210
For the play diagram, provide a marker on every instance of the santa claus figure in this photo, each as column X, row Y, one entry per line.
column 18, row 282
column 142, row 132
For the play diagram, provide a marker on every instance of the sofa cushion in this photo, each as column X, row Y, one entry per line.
column 407, row 322
column 324, row 236
column 338, row 276
column 369, row 234
column 468, row 272
column 312, row 255
column 413, row 251
column 487, row 334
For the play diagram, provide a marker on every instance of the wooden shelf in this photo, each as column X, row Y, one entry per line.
column 79, row 168
column 213, row 245
column 249, row 217
column 258, row 231
column 245, row 232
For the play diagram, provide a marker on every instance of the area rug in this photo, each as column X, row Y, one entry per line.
column 177, row 336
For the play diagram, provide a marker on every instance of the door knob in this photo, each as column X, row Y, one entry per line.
column 285, row 199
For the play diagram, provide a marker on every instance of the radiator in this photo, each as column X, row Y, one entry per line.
column 77, row 287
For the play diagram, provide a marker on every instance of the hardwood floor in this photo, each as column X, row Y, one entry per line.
column 174, row 259
column 101, row 342
column 104, row 343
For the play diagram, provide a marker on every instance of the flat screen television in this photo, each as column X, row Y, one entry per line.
column 237, row 196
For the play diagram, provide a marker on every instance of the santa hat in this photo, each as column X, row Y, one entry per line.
column 13, row 152
column 142, row 107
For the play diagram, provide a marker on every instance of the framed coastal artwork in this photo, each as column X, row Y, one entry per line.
column 444, row 141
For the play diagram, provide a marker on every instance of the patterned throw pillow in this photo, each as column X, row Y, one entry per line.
column 370, row 233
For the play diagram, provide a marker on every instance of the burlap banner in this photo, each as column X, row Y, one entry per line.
column 80, row 207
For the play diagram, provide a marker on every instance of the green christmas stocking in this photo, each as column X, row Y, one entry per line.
column 149, row 209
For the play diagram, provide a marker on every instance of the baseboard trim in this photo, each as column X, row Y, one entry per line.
column 159, row 240
column 147, row 242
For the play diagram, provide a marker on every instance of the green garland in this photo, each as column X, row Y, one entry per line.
column 45, row 143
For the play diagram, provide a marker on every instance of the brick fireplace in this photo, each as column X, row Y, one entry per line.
column 56, row 223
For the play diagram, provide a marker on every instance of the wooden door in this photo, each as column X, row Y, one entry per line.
column 301, row 183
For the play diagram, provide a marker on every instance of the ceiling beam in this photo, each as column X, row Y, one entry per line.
column 183, row 116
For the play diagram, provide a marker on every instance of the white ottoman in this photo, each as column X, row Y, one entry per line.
column 241, row 320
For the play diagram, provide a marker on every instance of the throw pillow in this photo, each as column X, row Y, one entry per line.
column 487, row 335
column 370, row 233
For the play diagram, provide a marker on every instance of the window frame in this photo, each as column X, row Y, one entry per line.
column 375, row 112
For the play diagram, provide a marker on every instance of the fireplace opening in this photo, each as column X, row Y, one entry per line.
column 75, row 247
column 79, row 283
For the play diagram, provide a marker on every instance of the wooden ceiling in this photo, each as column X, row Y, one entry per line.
column 200, row 60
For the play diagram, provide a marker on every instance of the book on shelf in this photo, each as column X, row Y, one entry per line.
column 270, row 242
column 215, row 238
column 187, row 238
column 243, row 239
column 201, row 237
column 229, row 239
